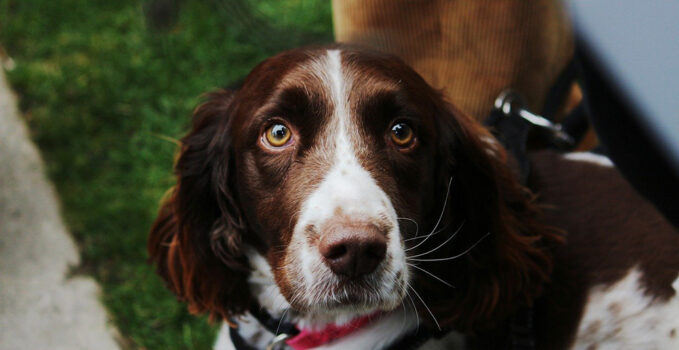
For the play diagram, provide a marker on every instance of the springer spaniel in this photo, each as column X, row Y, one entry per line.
column 338, row 192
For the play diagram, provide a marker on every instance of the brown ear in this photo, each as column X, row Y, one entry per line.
column 503, row 249
column 196, row 240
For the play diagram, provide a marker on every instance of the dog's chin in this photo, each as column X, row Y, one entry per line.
column 339, row 312
column 341, row 300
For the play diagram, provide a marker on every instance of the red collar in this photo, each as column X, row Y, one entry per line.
column 308, row 339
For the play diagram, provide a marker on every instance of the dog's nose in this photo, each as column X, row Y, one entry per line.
column 353, row 250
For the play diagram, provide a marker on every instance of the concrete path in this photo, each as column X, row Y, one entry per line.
column 40, row 307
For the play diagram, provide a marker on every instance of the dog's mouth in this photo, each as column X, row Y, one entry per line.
column 379, row 291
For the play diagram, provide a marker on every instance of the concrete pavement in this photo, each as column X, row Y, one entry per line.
column 40, row 307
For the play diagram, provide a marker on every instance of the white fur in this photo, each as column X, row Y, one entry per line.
column 249, row 329
column 589, row 157
column 263, row 286
column 622, row 316
column 223, row 341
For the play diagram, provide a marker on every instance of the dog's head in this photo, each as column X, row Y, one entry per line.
column 353, row 182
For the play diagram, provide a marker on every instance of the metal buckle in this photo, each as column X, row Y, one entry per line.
column 277, row 340
column 510, row 104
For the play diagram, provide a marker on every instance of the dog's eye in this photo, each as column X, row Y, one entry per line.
column 278, row 135
column 402, row 134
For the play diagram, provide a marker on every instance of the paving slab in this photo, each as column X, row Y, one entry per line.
column 40, row 306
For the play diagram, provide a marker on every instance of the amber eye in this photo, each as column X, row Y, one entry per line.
column 277, row 135
column 402, row 134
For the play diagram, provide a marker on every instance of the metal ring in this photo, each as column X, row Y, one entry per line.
column 277, row 340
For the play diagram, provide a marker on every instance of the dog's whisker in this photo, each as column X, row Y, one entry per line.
column 432, row 235
column 421, row 237
column 281, row 320
column 417, row 227
column 417, row 315
column 426, row 307
column 455, row 256
column 443, row 210
column 432, row 275
column 404, row 322
column 442, row 244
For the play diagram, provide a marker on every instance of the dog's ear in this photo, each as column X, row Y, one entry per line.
column 502, row 247
column 196, row 239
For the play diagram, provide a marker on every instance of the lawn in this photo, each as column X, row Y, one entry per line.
column 105, row 90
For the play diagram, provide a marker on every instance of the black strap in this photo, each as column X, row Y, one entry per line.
column 559, row 91
column 238, row 342
column 274, row 325
column 512, row 132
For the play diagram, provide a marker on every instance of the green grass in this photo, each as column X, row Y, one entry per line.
column 100, row 87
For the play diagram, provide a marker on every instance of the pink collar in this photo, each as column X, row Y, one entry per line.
column 307, row 339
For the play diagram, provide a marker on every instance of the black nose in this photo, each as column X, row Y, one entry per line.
column 353, row 250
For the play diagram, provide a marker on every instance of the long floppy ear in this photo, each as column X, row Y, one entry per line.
column 499, row 259
column 196, row 240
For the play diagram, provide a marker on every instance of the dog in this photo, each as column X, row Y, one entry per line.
column 337, row 192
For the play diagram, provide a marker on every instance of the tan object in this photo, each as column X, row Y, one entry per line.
column 471, row 49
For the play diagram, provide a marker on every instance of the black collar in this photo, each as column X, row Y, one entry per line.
column 283, row 330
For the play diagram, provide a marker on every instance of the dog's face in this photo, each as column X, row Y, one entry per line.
column 334, row 155
column 335, row 165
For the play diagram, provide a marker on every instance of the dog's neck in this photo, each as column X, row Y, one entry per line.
column 377, row 334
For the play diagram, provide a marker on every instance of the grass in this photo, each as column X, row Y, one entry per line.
column 103, row 89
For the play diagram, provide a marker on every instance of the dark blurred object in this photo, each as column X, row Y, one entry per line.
column 628, row 53
column 162, row 15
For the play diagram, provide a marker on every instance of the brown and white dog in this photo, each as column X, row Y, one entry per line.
column 335, row 185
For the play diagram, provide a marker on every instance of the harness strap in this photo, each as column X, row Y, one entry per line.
column 511, row 123
column 510, row 130
column 560, row 89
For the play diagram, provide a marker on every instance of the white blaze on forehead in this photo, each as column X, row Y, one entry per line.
column 347, row 186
